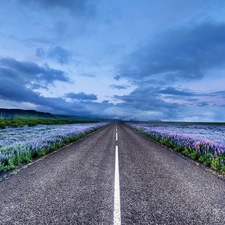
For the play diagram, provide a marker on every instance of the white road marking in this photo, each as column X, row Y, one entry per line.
column 116, row 136
column 117, row 215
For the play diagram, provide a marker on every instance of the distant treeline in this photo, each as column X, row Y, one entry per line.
column 20, row 122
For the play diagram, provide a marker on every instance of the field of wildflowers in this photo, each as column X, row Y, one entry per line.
column 203, row 142
column 18, row 145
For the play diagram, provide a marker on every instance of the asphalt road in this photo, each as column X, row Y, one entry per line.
column 76, row 185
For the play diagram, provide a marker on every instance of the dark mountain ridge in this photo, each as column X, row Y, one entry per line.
column 33, row 114
column 21, row 113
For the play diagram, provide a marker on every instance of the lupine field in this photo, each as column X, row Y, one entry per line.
column 202, row 142
column 18, row 145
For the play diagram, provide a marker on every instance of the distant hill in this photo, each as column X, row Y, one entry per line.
column 21, row 117
column 32, row 114
column 20, row 113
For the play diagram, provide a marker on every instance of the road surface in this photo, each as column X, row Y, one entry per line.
column 113, row 176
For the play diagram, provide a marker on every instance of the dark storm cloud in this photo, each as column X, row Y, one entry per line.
column 117, row 77
column 29, row 71
column 21, row 94
column 76, row 7
column 151, row 105
column 184, row 53
column 57, row 53
column 20, row 80
column 16, row 91
column 217, row 94
column 153, row 101
column 81, row 96
column 119, row 87
column 174, row 91
column 202, row 104
column 145, row 98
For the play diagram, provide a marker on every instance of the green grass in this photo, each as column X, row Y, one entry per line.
column 20, row 122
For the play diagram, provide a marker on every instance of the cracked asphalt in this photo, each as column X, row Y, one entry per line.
column 76, row 185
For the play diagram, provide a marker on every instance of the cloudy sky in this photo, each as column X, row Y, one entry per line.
column 120, row 59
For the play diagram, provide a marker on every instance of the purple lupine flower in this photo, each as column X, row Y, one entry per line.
column 197, row 146
column 215, row 154
column 200, row 137
column 41, row 136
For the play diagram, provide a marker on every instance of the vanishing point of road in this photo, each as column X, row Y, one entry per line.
column 113, row 176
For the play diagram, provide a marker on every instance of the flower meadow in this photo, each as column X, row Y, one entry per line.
column 18, row 145
column 203, row 142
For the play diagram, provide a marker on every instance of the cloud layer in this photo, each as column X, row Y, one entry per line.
column 75, row 7
column 182, row 53
column 57, row 53
column 28, row 72
column 81, row 96
column 139, row 60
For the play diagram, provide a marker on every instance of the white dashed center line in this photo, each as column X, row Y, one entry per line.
column 117, row 215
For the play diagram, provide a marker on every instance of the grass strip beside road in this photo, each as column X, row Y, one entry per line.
column 20, row 122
